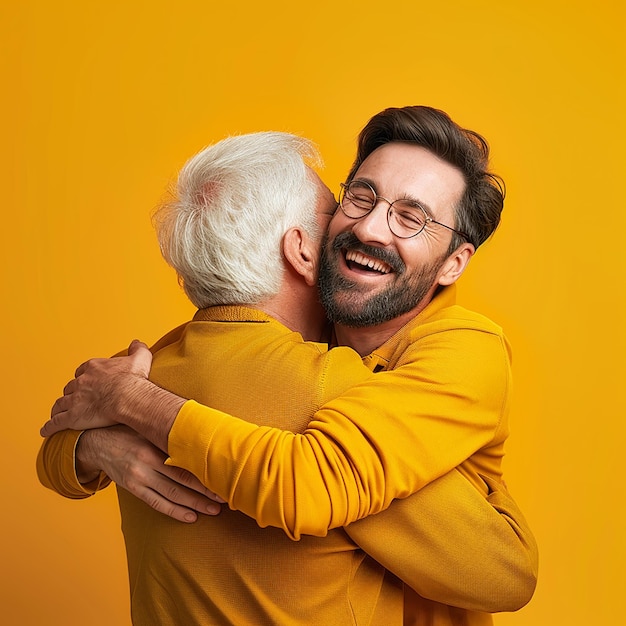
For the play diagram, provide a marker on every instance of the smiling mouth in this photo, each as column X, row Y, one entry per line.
column 358, row 261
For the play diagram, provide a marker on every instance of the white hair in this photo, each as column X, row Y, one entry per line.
column 234, row 202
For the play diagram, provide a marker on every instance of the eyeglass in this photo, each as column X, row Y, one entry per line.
column 406, row 218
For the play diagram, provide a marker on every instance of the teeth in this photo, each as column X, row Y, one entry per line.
column 361, row 259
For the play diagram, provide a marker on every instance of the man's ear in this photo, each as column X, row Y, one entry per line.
column 302, row 254
column 455, row 264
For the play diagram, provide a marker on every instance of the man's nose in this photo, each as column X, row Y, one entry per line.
column 374, row 227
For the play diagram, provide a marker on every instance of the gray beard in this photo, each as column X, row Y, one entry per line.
column 345, row 301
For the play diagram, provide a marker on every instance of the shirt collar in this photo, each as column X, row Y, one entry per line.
column 380, row 358
column 230, row 313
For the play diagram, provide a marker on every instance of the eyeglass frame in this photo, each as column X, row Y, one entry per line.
column 427, row 218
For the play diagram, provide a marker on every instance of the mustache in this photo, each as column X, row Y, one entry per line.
column 349, row 241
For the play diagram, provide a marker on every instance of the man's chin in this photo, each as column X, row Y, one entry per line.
column 355, row 310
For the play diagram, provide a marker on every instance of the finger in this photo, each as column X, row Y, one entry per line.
column 155, row 500
column 212, row 495
column 69, row 388
column 142, row 357
column 175, row 501
column 165, row 492
column 200, row 499
column 50, row 427
column 60, row 405
column 190, row 481
column 180, row 495
column 80, row 369
column 135, row 345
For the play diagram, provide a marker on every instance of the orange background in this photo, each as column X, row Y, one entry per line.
column 102, row 104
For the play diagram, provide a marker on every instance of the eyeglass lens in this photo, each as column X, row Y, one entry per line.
column 405, row 218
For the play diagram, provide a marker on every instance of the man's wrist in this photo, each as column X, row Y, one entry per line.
column 85, row 457
column 149, row 410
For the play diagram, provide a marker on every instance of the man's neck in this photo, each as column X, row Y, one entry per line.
column 365, row 340
column 309, row 321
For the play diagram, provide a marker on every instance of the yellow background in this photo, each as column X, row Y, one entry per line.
column 102, row 103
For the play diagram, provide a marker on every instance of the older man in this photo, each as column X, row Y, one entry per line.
column 368, row 445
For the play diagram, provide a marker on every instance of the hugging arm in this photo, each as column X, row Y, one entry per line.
column 455, row 544
column 384, row 438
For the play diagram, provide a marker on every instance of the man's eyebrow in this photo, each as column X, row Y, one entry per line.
column 405, row 196
column 369, row 181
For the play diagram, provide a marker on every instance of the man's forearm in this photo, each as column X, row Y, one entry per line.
column 149, row 410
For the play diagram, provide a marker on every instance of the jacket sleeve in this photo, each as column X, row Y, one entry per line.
column 384, row 438
column 490, row 566
column 56, row 469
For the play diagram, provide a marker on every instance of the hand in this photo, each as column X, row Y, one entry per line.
column 95, row 397
column 138, row 466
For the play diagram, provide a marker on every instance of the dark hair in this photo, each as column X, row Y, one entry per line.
column 478, row 213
